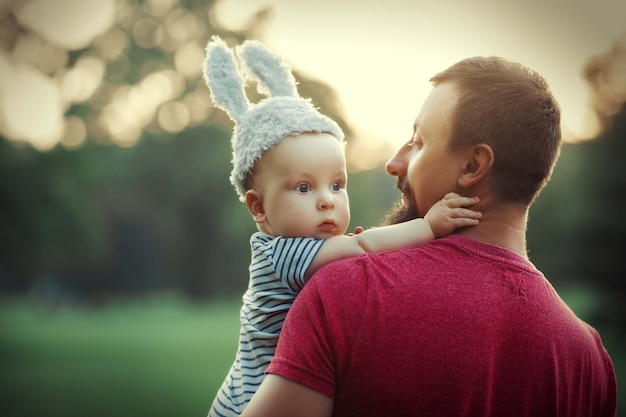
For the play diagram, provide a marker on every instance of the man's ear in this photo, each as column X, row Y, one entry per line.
column 479, row 162
column 255, row 206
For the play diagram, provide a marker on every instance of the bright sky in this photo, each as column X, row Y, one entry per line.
column 379, row 55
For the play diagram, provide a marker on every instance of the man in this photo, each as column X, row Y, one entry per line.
column 465, row 325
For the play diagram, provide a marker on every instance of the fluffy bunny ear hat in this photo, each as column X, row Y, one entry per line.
column 261, row 126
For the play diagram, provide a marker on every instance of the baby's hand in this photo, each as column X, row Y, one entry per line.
column 357, row 230
column 450, row 213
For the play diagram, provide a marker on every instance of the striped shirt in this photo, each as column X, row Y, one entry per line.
column 277, row 272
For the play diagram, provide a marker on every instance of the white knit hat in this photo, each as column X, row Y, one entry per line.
column 261, row 126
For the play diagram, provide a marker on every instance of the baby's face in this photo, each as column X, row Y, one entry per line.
column 302, row 186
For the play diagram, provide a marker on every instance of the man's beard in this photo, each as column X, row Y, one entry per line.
column 401, row 212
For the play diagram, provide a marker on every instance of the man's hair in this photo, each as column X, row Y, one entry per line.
column 510, row 108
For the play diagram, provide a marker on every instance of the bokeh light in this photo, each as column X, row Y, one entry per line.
column 188, row 60
column 68, row 23
column 31, row 105
column 125, row 97
column 79, row 83
column 75, row 132
column 173, row 116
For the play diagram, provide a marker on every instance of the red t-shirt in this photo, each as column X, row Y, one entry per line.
column 455, row 327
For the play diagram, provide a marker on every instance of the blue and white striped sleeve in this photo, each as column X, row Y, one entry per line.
column 291, row 257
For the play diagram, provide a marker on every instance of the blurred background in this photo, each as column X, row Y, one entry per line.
column 123, row 247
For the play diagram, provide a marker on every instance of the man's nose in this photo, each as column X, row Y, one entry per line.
column 396, row 166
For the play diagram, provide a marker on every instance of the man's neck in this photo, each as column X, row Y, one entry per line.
column 505, row 228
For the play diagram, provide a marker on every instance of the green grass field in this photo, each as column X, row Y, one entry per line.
column 159, row 357
column 156, row 357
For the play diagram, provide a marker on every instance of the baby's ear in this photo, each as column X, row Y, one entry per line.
column 255, row 206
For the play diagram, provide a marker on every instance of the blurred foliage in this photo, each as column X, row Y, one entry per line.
column 577, row 231
column 108, row 219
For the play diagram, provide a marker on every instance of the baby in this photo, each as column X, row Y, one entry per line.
column 290, row 171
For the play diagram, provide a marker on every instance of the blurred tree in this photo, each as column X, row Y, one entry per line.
column 110, row 219
column 578, row 231
column 602, row 228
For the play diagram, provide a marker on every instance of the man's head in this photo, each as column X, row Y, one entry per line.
column 489, row 126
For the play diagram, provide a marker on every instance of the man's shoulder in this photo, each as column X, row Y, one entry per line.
column 437, row 253
column 363, row 266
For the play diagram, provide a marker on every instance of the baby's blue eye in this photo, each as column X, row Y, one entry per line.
column 303, row 188
column 336, row 186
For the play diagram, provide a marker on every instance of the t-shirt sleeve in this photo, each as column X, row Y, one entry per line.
column 320, row 327
column 610, row 380
column 291, row 257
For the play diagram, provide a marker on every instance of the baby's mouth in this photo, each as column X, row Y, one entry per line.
column 328, row 225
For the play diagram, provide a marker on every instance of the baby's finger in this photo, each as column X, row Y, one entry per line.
column 451, row 195
column 458, row 213
column 464, row 221
column 462, row 201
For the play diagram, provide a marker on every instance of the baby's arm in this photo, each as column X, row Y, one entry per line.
column 442, row 219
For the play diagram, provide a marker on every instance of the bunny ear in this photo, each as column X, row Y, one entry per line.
column 271, row 70
column 223, row 78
